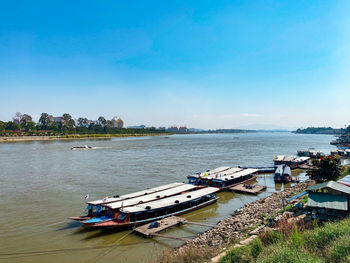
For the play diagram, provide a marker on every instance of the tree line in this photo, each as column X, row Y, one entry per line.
column 65, row 124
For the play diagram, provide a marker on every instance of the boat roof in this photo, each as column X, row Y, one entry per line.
column 211, row 173
column 238, row 174
column 301, row 159
column 279, row 158
column 219, row 169
column 170, row 201
column 135, row 194
column 289, row 158
column 151, row 197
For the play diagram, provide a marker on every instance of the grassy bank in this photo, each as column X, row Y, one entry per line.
column 294, row 244
column 74, row 137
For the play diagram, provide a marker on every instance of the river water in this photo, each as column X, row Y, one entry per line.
column 44, row 182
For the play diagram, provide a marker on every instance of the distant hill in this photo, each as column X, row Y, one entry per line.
column 265, row 127
column 320, row 130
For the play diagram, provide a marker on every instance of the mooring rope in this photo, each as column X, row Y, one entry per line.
column 4, row 256
column 102, row 254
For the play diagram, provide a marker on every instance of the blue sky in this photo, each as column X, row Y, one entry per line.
column 204, row 64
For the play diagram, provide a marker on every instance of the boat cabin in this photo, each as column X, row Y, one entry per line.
column 234, row 178
column 174, row 205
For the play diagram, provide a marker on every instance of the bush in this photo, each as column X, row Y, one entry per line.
column 286, row 254
column 238, row 255
column 321, row 237
column 256, row 247
column 339, row 250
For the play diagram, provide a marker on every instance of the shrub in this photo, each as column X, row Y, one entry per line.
column 238, row 255
column 321, row 237
column 339, row 250
column 286, row 254
column 269, row 237
column 256, row 247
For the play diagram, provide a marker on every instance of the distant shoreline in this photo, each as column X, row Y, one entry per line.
column 74, row 137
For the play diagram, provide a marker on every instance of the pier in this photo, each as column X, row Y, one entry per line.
column 152, row 229
column 247, row 188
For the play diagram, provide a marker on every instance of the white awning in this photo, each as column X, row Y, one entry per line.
column 174, row 200
column 151, row 197
column 135, row 194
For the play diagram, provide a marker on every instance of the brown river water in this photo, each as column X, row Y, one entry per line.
column 43, row 183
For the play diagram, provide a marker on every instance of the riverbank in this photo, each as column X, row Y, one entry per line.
column 291, row 242
column 74, row 137
column 233, row 229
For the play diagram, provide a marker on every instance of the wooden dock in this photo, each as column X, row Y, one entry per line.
column 248, row 188
column 163, row 225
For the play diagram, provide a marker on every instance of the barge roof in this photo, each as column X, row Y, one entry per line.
column 135, row 194
column 170, row 201
column 212, row 173
column 151, row 197
column 238, row 174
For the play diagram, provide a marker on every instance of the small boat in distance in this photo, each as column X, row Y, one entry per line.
column 84, row 147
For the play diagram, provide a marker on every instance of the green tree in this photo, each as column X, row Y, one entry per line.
column 11, row 126
column 2, row 125
column 102, row 121
column 67, row 121
column 83, row 122
column 26, row 122
column 45, row 120
column 327, row 168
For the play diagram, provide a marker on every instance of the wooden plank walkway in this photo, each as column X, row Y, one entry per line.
column 165, row 224
column 249, row 189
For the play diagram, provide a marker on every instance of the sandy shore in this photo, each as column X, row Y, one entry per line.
column 73, row 137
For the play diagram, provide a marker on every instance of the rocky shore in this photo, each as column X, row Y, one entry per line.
column 243, row 221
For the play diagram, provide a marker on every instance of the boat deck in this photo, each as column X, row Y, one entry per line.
column 163, row 225
column 252, row 189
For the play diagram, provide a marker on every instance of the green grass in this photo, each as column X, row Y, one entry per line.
column 329, row 243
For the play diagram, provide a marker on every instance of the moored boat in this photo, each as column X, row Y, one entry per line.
column 207, row 177
column 96, row 208
column 112, row 209
column 278, row 174
column 287, row 174
column 156, row 210
column 235, row 178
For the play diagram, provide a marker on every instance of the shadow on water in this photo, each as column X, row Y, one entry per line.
column 69, row 225
column 278, row 187
column 81, row 230
column 103, row 233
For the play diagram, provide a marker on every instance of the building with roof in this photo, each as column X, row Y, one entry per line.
column 345, row 180
column 329, row 195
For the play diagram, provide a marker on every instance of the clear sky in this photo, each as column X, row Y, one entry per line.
column 204, row 64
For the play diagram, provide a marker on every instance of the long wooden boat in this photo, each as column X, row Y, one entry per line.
column 128, row 217
column 112, row 209
column 96, row 208
column 205, row 178
column 234, row 179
